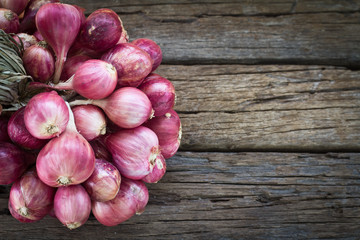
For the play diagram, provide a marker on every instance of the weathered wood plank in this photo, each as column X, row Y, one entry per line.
column 232, row 196
column 320, row 32
column 237, row 107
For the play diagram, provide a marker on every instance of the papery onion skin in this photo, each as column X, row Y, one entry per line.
column 95, row 79
column 152, row 49
column 46, row 115
column 100, row 148
column 127, row 107
column 124, row 37
column 168, row 130
column 138, row 191
column 131, row 62
column 160, row 91
column 4, row 136
column 67, row 159
column 134, row 151
column 116, row 211
column 28, row 22
column 101, row 31
column 90, row 121
column 104, row 184
column 26, row 39
column 59, row 24
column 20, row 135
column 30, row 197
column 72, row 64
column 17, row 6
column 39, row 62
column 158, row 171
column 9, row 21
column 18, row 216
column 72, row 206
column 12, row 163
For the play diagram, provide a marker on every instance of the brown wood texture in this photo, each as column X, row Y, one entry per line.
column 232, row 196
column 269, row 97
column 311, row 32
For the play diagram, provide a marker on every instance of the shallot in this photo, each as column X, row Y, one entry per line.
column 30, row 197
column 152, row 49
column 90, row 121
column 134, row 151
column 160, row 92
column 100, row 149
column 72, row 206
column 67, row 159
column 59, row 25
column 9, row 21
column 104, row 184
column 138, row 192
column 131, row 62
column 17, row 6
column 46, row 115
column 158, row 171
column 26, row 39
column 72, row 64
column 168, row 130
column 4, row 136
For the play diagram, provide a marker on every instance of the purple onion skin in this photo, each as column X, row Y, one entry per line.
column 39, row 62
column 101, row 30
column 152, row 49
column 28, row 22
column 17, row 6
column 160, row 92
column 18, row 216
column 20, row 135
column 158, row 171
column 9, row 21
column 30, row 197
column 138, row 192
column 72, row 64
column 168, row 130
column 72, row 206
column 12, row 163
column 4, row 136
column 131, row 62
column 38, row 36
column 100, row 150
column 104, row 184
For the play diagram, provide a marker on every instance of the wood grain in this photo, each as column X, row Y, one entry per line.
column 267, row 107
column 246, row 32
column 232, row 196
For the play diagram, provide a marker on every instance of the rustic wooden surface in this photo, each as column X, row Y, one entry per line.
column 269, row 97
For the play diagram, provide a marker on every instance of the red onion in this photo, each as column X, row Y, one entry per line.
column 9, row 21
column 78, row 49
column 17, row 6
column 20, row 135
column 100, row 149
column 134, row 151
column 12, row 163
column 30, row 197
column 46, row 115
column 26, row 39
column 158, row 171
column 152, row 49
column 72, row 206
column 127, row 107
column 160, row 92
column 4, row 136
column 168, row 130
column 82, row 14
column 28, row 22
column 39, row 62
column 90, row 121
column 94, row 79
column 138, row 191
column 104, row 184
column 67, row 159
column 131, row 62
column 38, row 36
column 72, row 64
column 115, row 211
column 101, row 31
column 59, row 25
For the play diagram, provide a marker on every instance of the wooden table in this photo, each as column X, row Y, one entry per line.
column 269, row 97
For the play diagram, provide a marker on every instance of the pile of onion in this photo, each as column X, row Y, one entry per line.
column 98, row 125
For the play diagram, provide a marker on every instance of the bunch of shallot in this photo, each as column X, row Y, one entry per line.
column 99, row 123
